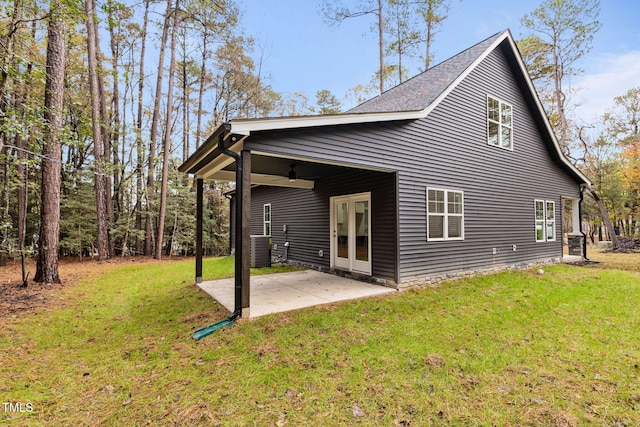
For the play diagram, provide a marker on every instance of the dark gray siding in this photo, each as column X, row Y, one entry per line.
column 449, row 150
column 499, row 185
column 306, row 215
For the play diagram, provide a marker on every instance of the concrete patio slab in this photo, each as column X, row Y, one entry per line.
column 276, row 293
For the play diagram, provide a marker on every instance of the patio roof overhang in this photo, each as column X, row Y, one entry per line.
column 208, row 162
column 223, row 156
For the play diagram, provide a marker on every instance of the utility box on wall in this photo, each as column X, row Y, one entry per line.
column 575, row 245
column 260, row 251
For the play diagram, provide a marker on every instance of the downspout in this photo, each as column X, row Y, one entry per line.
column 230, row 198
column 584, row 236
column 238, row 225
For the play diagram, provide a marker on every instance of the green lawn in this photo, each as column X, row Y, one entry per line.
column 517, row 348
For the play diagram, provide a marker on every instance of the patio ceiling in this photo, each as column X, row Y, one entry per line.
column 270, row 170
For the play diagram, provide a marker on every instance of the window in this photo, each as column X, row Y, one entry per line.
column 551, row 221
column 499, row 123
column 545, row 221
column 445, row 215
column 540, row 221
column 267, row 219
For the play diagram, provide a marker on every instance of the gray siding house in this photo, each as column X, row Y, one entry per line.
column 455, row 170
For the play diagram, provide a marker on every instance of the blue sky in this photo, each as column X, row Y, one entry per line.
column 301, row 53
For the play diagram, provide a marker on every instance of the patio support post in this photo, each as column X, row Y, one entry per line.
column 246, row 231
column 199, row 202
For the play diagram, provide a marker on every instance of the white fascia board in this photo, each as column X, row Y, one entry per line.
column 547, row 124
column 219, row 162
column 507, row 35
column 245, row 127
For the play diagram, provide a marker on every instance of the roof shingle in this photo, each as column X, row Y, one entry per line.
column 420, row 91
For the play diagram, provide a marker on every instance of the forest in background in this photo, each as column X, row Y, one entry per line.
column 100, row 102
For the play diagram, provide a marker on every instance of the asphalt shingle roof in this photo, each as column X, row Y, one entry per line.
column 420, row 91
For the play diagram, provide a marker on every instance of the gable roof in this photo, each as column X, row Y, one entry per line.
column 422, row 90
column 411, row 100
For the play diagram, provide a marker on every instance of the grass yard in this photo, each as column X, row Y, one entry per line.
column 517, row 348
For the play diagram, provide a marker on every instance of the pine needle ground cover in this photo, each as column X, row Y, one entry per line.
column 517, row 348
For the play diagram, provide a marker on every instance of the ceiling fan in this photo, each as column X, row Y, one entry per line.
column 293, row 175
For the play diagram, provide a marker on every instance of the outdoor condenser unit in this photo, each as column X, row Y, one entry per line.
column 260, row 251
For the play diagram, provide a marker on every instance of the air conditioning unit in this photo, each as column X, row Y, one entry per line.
column 260, row 251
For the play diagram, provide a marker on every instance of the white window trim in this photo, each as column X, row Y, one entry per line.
column 264, row 221
column 500, row 124
column 544, row 222
column 445, row 216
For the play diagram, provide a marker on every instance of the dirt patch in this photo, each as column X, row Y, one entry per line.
column 15, row 299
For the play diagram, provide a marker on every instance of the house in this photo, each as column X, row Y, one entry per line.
column 454, row 171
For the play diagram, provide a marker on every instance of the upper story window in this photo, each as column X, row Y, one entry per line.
column 266, row 210
column 445, row 215
column 499, row 123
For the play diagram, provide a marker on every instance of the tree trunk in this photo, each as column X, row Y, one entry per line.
column 47, row 265
column 7, row 43
column 203, row 73
column 605, row 218
column 381, row 45
column 430, row 15
column 23, row 177
column 185, row 111
column 167, row 133
column 4, row 212
column 100, row 183
column 106, row 136
column 149, row 237
column 563, row 126
column 115, row 112
column 139, row 144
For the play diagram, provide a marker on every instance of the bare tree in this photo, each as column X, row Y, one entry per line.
column 562, row 33
column 153, row 139
column 138, row 130
column 167, row 133
column 47, row 265
column 433, row 12
column 100, row 183
column 335, row 14
column 22, row 172
column 403, row 36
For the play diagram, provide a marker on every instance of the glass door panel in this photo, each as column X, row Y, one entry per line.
column 362, row 230
column 342, row 229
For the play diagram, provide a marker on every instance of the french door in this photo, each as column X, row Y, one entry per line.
column 351, row 233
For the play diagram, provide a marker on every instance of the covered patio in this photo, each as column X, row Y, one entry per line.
column 277, row 293
column 227, row 155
